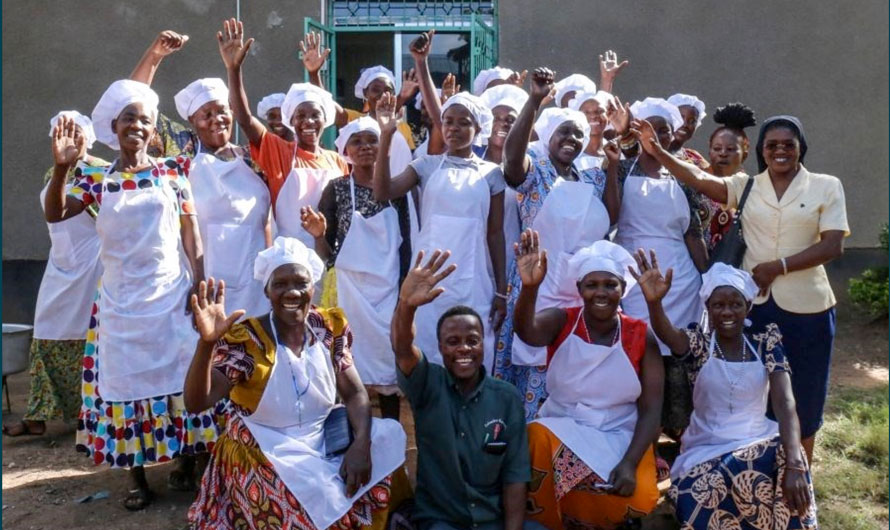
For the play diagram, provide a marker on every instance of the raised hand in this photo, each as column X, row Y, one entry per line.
column 410, row 85
column 387, row 114
column 232, row 47
column 313, row 222
column 645, row 134
column 167, row 42
column 419, row 287
column 618, row 114
column 209, row 311
column 531, row 262
column 449, row 87
column 518, row 78
column 653, row 285
column 613, row 152
column 610, row 67
column 67, row 145
column 542, row 83
column 422, row 45
column 313, row 53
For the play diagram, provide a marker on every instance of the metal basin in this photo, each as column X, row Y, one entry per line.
column 16, row 347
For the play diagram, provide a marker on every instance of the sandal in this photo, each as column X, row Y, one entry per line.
column 180, row 480
column 662, row 468
column 138, row 499
column 22, row 428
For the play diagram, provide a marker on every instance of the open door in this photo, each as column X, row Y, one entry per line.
column 483, row 46
column 328, row 73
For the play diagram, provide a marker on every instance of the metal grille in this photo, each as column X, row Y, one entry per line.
column 410, row 13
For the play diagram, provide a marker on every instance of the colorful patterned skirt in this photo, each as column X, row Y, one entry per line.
column 55, row 379
column 241, row 490
column 133, row 433
column 741, row 490
column 563, row 493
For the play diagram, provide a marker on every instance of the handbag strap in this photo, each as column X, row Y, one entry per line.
column 745, row 192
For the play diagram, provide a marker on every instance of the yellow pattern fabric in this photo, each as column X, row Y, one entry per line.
column 247, row 395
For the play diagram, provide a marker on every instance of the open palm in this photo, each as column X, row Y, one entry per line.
column 210, row 312
column 386, row 113
column 530, row 260
column 232, row 47
column 419, row 287
column 653, row 285
column 66, row 145
column 313, row 222
column 313, row 53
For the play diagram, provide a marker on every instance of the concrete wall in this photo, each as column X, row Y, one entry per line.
column 821, row 60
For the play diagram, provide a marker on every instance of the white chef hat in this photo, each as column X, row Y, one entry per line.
column 602, row 256
column 370, row 74
column 483, row 78
column 189, row 99
column 418, row 102
column 685, row 99
column 508, row 95
column 573, row 83
column 284, row 251
column 115, row 99
column 481, row 113
column 89, row 136
column 550, row 119
column 600, row 96
column 657, row 107
column 720, row 275
column 302, row 92
column 363, row 124
column 268, row 103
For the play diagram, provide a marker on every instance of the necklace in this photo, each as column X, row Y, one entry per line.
column 736, row 369
column 293, row 372
column 614, row 334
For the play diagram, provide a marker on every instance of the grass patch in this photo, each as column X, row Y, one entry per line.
column 852, row 459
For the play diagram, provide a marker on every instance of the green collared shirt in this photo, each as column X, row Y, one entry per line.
column 457, row 481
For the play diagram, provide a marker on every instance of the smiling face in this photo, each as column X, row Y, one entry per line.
column 459, row 127
column 727, row 309
column 461, row 346
column 134, row 127
column 781, row 150
column 308, row 122
column 213, row 124
column 276, row 125
column 726, row 152
column 663, row 130
column 601, row 292
column 690, row 123
column 596, row 116
column 504, row 117
column 566, row 142
column 362, row 148
column 290, row 291
column 375, row 90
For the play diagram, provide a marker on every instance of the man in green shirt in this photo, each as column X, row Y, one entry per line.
column 473, row 460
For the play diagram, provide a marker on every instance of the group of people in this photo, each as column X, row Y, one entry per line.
column 537, row 279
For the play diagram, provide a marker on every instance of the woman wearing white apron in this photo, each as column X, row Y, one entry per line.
column 140, row 327
column 283, row 372
column 462, row 205
column 594, row 433
column 567, row 209
column 737, row 468
column 62, row 314
column 594, row 106
column 368, row 245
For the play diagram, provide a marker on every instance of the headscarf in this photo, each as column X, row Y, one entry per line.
column 657, row 107
column 720, row 275
column 550, row 119
column 573, row 83
column 685, row 99
column 302, row 92
column 268, row 103
column 363, row 124
column 480, row 112
column 370, row 74
column 507, row 95
column 284, row 251
column 189, row 99
column 603, row 256
column 783, row 120
column 483, row 78
column 418, row 102
column 89, row 136
column 115, row 99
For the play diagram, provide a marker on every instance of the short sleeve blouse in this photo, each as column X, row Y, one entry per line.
column 768, row 344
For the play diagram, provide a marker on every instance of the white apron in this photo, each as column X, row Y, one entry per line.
column 454, row 205
column 655, row 215
column 367, row 270
column 571, row 218
column 146, row 340
column 288, row 426
column 592, row 406
column 302, row 187
column 729, row 410
column 399, row 158
column 69, row 281
column 233, row 205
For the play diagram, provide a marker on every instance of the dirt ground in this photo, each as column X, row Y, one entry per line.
column 43, row 476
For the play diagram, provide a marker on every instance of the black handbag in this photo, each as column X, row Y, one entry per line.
column 731, row 249
column 337, row 432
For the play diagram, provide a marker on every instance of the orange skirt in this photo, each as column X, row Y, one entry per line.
column 561, row 492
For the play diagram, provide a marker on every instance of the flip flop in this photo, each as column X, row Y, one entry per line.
column 25, row 430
